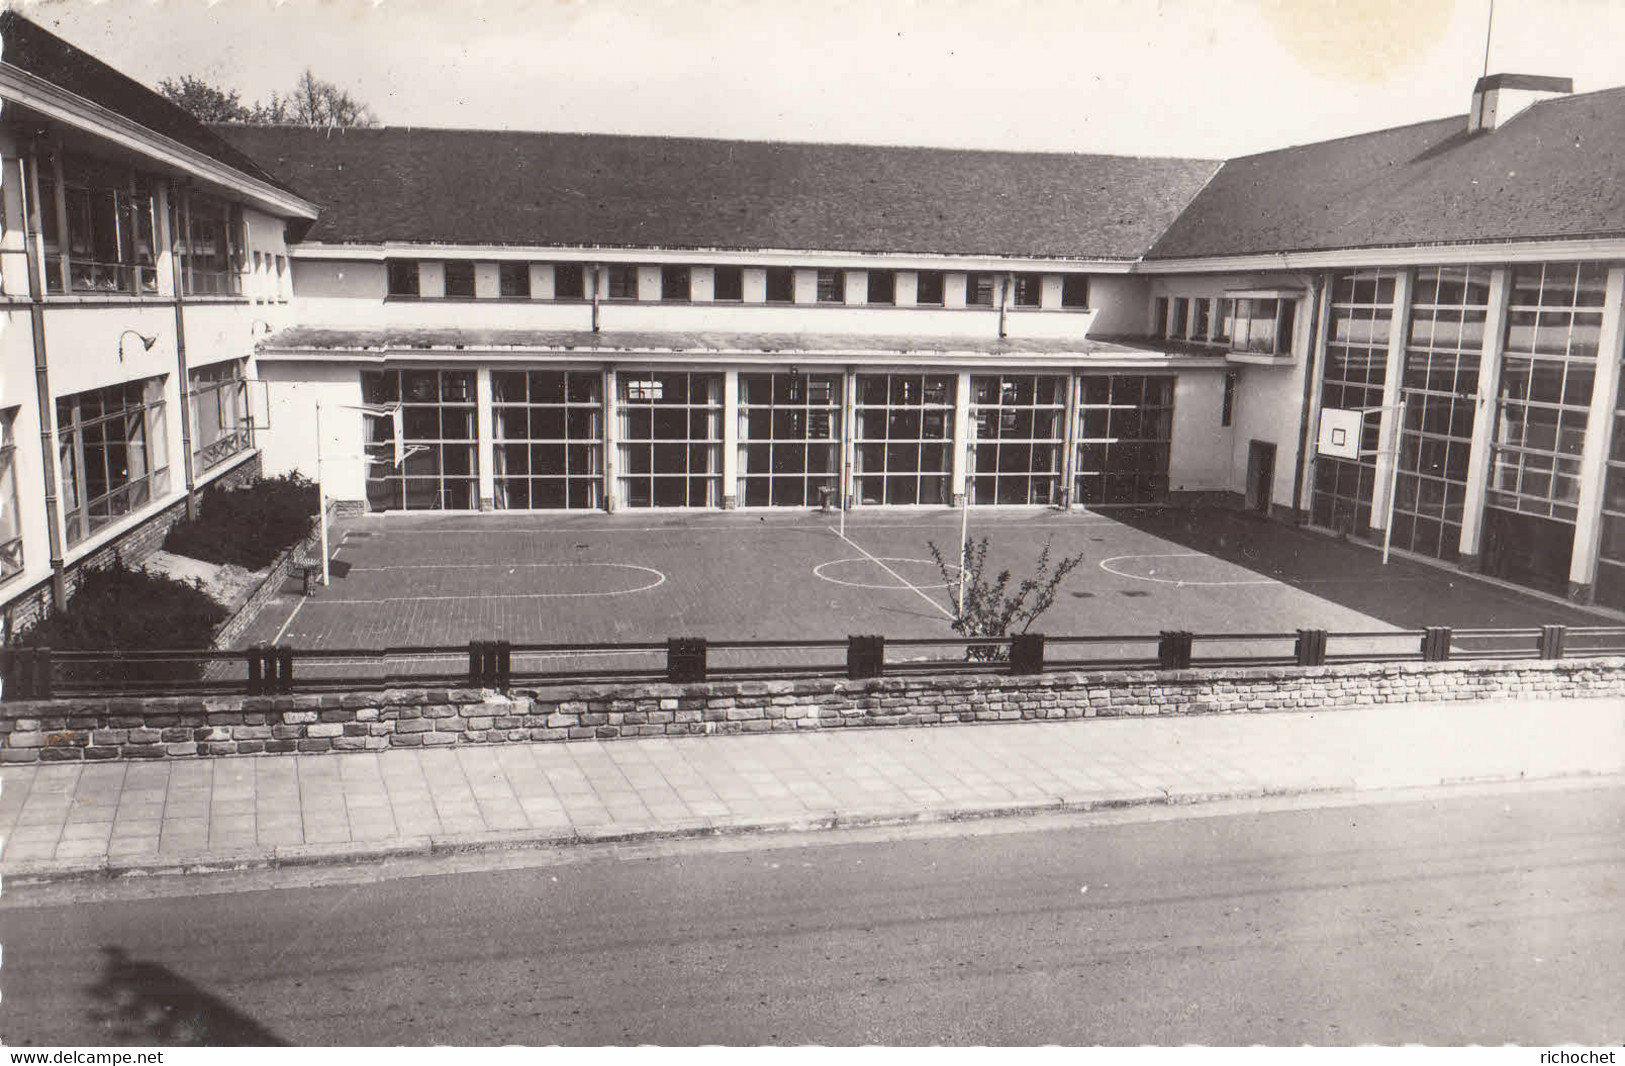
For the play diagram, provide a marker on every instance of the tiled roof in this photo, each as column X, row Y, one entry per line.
column 438, row 186
column 475, row 339
column 1550, row 172
column 29, row 48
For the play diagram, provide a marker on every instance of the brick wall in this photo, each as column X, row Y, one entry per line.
column 154, row 728
column 134, row 546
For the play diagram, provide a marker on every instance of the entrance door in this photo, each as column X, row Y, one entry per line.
column 1260, row 475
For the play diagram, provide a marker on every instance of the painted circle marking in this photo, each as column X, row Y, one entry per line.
column 1105, row 564
column 818, row 571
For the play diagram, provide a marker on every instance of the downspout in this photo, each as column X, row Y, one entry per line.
column 42, row 380
column 595, row 280
column 1317, row 289
column 1004, row 303
column 185, row 380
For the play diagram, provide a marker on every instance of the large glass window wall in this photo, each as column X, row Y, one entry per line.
column 670, row 439
column 113, row 447
column 905, row 436
column 548, row 433
column 1357, row 333
column 789, row 439
column 1020, row 422
column 1125, row 426
column 437, row 411
column 1442, row 353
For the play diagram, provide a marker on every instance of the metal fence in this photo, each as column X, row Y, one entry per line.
column 44, row 673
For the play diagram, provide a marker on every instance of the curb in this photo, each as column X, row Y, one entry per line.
column 44, row 871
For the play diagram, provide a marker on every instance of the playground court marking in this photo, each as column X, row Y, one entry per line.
column 659, row 579
column 900, row 578
column 819, row 572
column 1105, row 564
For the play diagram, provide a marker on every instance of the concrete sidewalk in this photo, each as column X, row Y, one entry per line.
column 75, row 819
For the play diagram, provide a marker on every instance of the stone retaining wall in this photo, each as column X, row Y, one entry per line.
column 270, row 587
column 156, row 728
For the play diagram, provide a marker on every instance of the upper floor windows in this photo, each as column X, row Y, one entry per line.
column 979, row 290
column 930, row 287
column 729, row 285
column 623, row 281
column 1028, row 290
column 403, row 277
column 513, row 281
column 1075, row 290
column 882, row 287
column 676, row 284
column 97, row 228
column 459, row 275
column 1260, row 324
column 209, row 247
column 781, row 285
column 569, row 282
column 831, row 286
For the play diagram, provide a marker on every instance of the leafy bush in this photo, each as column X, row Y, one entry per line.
column 248, row 527
column 120, row 609
column 987, row 609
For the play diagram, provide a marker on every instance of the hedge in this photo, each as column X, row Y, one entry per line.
column 248, row 527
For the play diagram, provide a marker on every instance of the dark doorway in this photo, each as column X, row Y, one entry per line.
column 1260, row 475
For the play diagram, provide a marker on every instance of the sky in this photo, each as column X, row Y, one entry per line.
column 1201, row 78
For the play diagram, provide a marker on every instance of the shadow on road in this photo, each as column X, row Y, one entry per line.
column 145, row 1002
column 1404, row 593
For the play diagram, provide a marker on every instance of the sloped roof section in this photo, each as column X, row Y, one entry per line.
column 439, row 186
column 1550, row 172
column 36, row 51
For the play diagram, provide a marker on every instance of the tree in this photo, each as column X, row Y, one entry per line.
column 208, row 103
column 313, row 102
column 986, row 608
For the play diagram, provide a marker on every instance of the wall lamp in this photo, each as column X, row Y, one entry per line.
column 146, row 342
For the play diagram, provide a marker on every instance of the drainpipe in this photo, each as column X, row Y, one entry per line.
column 1317, row 290
column 42, row 380
column 595, row 269
column 1004, row 302
column 184, row 381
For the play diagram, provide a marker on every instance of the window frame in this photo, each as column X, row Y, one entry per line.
column 89, row 418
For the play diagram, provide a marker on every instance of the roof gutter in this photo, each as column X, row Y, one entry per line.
column 1403, row 255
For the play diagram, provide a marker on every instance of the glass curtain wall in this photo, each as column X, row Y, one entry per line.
column 547, row 427
column 438, row 471
column 789, row 439
column 670, row 439
column 1361, row 319
column 113, row 447
column 1554, row 325
column 1442, row 352
column 1125, row 425
column 1020, row 424
column 905, row 438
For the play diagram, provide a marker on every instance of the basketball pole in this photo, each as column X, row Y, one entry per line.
column 964, row 519
column 321, row 493
column 1393, row 480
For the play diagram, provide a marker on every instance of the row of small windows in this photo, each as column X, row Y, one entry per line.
column 1262, row 325
column 461, row 280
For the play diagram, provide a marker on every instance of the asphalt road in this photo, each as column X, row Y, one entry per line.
column 1479, row 918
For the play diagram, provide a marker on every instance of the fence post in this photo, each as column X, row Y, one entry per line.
column 1311, row 647
column 284, row 668
column 503, row 666
column 476, row 664
column 865, row 657
column 1436, row 644
column 256, row 670
column 1174, row 649
column 685, row 659
column 42, row 673
column 1027, row 653
column 1551, row 641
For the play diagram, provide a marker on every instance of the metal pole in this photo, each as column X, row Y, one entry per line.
column 321, row 493
column 1393, row 480
column 964, row 517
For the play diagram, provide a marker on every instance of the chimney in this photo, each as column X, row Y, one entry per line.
column 1499, row 97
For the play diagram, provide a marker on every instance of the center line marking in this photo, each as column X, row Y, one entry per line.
column 910, row 585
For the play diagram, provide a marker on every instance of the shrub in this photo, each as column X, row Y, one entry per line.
column 986, row 608
column 248, row 527
column 120, row 609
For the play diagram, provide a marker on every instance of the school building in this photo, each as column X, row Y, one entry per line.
column 1422, row 324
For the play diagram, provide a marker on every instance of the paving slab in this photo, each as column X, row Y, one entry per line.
column 267, row 810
